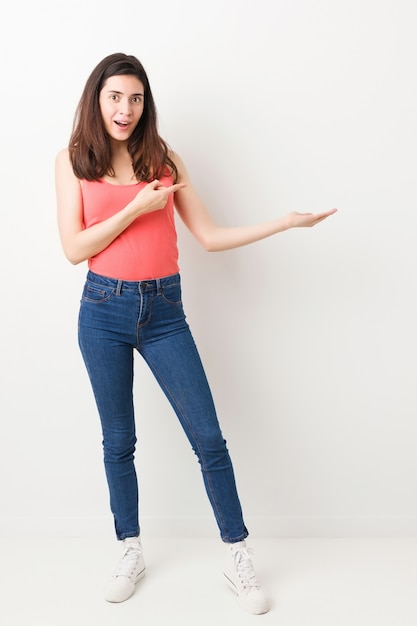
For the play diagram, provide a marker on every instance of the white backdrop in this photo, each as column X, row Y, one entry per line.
column 309, row 338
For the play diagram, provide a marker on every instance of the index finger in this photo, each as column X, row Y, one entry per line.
column 176, row 187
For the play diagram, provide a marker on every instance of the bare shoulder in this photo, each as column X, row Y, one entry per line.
column 62, row 159
column 63, row 168
column 182, row 171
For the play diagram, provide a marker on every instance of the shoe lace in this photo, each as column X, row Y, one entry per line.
column 128, row 561
column 245, row 570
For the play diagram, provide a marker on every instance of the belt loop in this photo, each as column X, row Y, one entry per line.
column 119, row 287
column 158, row 286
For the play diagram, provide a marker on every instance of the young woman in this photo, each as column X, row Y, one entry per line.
column 118, row 184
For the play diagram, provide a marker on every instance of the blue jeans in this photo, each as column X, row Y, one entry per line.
column 115, row 318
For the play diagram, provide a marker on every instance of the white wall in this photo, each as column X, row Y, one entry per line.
column 309, row 338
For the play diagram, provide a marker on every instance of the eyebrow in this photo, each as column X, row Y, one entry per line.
column 120, row 93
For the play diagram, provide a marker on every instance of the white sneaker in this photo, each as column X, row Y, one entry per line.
column 130, row 570
column 241, row 578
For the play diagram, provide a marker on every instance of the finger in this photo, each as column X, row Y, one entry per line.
column 176, row 187
column 171, row 188
column 322, row 216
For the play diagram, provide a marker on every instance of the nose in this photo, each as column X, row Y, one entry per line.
column 126, row 106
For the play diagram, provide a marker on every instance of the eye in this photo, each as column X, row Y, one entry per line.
column 136, row 99
column 113, row 96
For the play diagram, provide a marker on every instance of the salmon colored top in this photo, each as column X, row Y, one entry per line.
column 147, row 249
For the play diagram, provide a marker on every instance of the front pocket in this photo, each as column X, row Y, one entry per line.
column 97, row 293
column 172, row 293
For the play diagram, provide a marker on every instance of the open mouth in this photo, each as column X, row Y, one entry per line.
column 122, row 124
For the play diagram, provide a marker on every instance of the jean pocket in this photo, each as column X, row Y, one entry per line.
column 172, row 293
column 97, row 293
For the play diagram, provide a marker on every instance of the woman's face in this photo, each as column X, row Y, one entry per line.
column 121, row 104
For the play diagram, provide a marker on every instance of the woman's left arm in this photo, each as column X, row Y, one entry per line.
column 215, row 238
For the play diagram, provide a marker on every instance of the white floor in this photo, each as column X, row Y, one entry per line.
column 312, row 582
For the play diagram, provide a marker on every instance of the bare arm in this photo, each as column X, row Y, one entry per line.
column 215, row 238
column 81, row 243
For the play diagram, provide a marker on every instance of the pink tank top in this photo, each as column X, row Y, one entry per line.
column 146, row 249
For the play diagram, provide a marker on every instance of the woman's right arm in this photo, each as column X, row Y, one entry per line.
column 79, row 243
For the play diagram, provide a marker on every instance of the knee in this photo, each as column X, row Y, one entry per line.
column 118, row 447
column 213, row 454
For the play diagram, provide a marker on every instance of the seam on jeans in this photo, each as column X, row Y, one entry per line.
column 218, row 514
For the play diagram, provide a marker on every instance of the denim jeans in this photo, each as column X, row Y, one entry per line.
column 115, row 318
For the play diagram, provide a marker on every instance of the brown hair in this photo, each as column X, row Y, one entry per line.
column 89, row 145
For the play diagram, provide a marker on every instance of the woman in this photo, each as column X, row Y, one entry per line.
column 118, row 184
